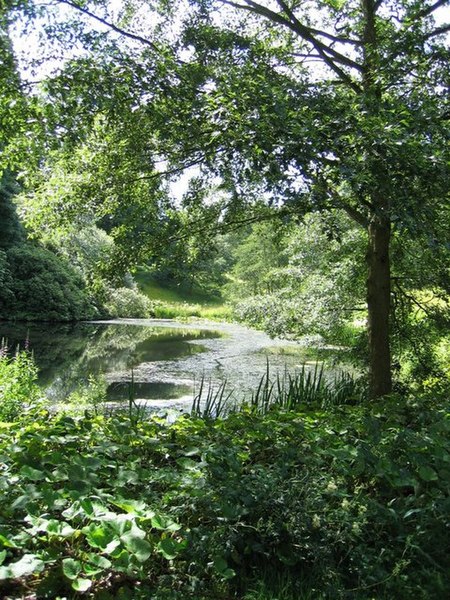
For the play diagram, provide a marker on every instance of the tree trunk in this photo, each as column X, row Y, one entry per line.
column 378, row 304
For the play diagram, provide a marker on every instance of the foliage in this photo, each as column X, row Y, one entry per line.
column 88, row 249
column 90, row 397
column 195, row 262
column 230, row 91
column 257, row 259
column 297, row 391
column 41, row 286
column 305, row 285
column 126, row 302
column 17, row 111
column 351, row 502
column 99, row 184
column 18, row 390
column 11, row 231
column 176, row 302
column 34, row 282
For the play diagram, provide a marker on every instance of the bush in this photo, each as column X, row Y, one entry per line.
column 6, row 284
column 128, row 303
column 276, row 315
column 42, row 286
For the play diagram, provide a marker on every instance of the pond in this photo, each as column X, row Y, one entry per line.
column 162, row 361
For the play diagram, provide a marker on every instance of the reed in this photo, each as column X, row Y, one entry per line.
column 288, row 391
column 217, row 402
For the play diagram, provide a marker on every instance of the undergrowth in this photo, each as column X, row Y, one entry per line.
column 314, row 502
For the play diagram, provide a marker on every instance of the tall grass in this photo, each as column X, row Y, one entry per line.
column 288, row 391
column 217, row 402
column 19, row 392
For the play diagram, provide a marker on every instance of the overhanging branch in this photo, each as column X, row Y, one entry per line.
column 428, row 10
column 439, row 31
column 112, row 26
column 331, row 57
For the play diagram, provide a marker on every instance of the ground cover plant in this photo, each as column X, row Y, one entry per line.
column 351, row 502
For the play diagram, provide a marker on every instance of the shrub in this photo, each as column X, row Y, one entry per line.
column 43, row 287
column 275, row 315
column 348, row 503
column 126, row 302
column 6, row 284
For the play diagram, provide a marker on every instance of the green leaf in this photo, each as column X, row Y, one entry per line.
column 27, row 565
column 164, row 524
column 228, row 574
column 134, row 532
column 99, row 536
column 81, row 584
column 87, row 506
column 137, row 507
column 99, row 561
column 59, row 528
column 170, row 548
column 221, row 566
column 135, row 544
column 428, row 474
column 71, row 568
column 28, row 472
column 2, row 556
column 121, row 559
column 6, row 543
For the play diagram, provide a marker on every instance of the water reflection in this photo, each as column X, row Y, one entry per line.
column 156, row 390
column 162, row 358
column 67, row 354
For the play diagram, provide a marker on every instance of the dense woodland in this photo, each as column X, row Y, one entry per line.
column 281, row 163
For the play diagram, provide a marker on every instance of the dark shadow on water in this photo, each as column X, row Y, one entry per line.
column 121, row 390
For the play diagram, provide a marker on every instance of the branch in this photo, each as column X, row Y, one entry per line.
column 328, row 55
column 427, row 10
column 307, row 34
column 438, row 31
column 411, row 298
column 203, row 224
column 336, row 38
column 166, row 173
column 124, row 32
column 353, row 213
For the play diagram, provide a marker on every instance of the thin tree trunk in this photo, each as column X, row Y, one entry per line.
column 378, row 304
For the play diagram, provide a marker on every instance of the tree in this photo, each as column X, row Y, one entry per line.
column 369, row 138
column 11, row 231
column 237, row 96
column 300, row 278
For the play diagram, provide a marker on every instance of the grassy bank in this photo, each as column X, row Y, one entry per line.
column 348, row 503
column 177, row 303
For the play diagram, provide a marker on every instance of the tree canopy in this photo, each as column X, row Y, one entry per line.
column 305, row 107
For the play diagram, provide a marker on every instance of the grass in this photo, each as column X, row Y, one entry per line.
column 177, row 303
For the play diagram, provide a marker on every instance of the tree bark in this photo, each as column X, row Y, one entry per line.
column 378, row 305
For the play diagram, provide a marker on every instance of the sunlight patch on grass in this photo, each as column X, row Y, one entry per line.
column 171, row 303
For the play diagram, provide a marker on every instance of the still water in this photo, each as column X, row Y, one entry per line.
column 165, row 359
